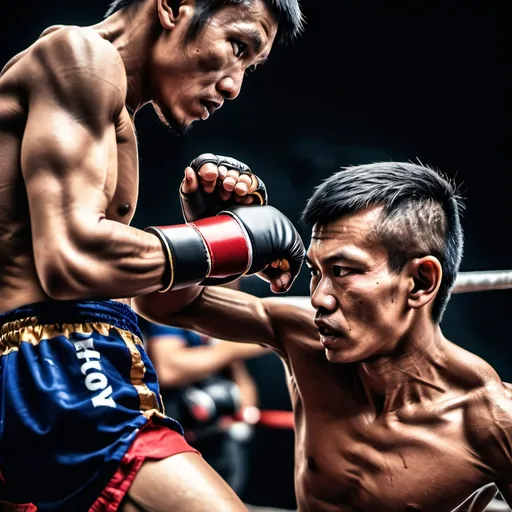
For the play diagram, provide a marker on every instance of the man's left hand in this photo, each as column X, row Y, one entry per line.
column 214, row 182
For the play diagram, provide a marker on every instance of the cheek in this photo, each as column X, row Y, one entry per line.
column 388, row 307
column 371, row 306
column 211, row 61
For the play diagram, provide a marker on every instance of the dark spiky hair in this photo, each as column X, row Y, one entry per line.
column 421, row 214
column 287, row 12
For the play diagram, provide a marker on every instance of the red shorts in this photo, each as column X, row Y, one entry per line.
column 155, row 442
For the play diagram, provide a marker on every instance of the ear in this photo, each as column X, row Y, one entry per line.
column 172, row 11
column 426, row 274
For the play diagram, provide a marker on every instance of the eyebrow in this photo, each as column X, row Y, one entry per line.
column 256, row 40
column 339, row 256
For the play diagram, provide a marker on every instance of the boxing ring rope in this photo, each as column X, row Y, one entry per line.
column 269, row 418
column 483, row 281
column 466, row 282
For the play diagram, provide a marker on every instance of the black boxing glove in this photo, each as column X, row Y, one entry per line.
column 206, row 402
column 238, row 241
column 199, row 204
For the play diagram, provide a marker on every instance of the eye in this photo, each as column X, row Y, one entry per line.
column 239, row 47
column 339, row 271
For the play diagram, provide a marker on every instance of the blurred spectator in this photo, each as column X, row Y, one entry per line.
column 205, row 386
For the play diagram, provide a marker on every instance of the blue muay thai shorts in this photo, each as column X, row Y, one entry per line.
column 80, row 408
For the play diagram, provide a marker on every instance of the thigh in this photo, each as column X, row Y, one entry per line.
column 183, row 482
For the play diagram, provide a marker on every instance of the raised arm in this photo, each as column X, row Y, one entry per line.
column 233, row 315
column 178, row 364
column 76, row 92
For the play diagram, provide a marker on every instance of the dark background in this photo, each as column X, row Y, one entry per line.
column 368, row 81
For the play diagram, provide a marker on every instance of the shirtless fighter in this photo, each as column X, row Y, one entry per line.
column 81, row 422
column 389, row 415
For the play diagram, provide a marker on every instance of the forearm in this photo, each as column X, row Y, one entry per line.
column 197, row 363
column 229, row 315
column 116, row 261
column 161, row 307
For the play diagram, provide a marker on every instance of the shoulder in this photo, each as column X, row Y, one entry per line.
column 295, row 310
column 293, row 319
column 469, row 370
column 487, row 408
column 78, row 47
column 489, row 425
column 76, row 62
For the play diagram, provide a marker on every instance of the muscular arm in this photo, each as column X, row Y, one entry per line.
column 76, row 92
column 233, row 315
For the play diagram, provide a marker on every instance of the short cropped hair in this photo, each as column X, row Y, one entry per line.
column 287, row 12
column 421, row 214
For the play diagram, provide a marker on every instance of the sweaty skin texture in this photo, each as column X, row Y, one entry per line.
column 69, row 183
column 68, row 149
column 69, row 152
column 389, row 415
column 430, row 454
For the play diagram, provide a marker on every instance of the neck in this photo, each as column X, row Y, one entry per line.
column 412, row 374
column 133, row 31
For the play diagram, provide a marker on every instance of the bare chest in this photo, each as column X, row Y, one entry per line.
column 123, row 177
column 386, row 465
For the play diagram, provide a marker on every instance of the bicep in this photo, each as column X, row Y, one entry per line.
column 69, row 142
column 65, row 166
column 63, row 162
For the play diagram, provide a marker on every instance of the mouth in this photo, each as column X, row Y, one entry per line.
column 328, row 335
column 209, row 108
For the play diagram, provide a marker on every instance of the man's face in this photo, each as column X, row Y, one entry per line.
column 191, row 80
column 361, row 307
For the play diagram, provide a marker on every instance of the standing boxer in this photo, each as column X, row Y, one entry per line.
column 81, row 422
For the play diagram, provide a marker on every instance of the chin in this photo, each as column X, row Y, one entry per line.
column 171, row 121
column 338, row 356
column 343, row 356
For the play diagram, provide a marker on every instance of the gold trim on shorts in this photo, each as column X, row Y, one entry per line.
column 27, row 330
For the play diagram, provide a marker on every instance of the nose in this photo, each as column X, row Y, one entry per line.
column 322, row 298
column 230, row 86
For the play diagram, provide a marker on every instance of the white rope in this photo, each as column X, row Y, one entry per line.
column 483, row 281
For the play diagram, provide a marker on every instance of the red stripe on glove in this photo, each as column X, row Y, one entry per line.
column 227, row 245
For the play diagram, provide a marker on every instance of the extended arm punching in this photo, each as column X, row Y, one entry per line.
column 233, row 315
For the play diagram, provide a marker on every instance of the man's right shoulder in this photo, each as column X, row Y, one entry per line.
column 67, row 56
column 293, row 318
